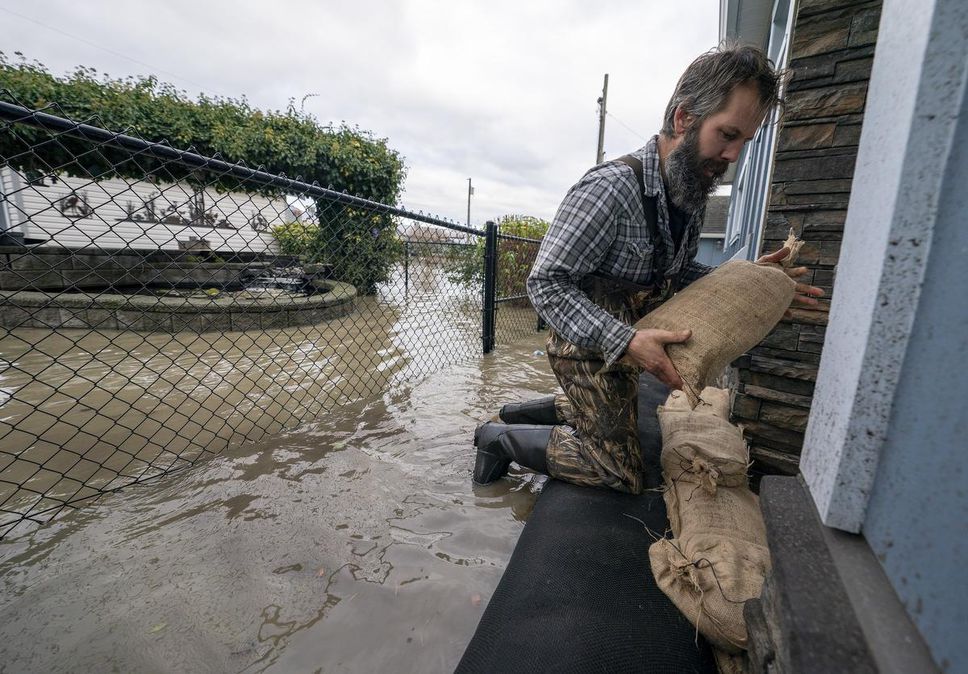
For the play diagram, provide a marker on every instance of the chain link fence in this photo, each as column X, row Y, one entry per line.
column 515, row 257
column 147, row 323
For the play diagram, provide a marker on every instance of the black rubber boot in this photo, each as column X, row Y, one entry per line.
column 500, row 444
column 539, row 411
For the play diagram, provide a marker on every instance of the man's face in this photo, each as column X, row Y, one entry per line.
column 704, row 151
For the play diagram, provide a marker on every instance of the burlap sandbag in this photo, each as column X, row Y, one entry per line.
column 677, row 400
column 712, row 400
column 709, row 577
column 731, row 511
column 718, row 558
column 702, row 448
column 729, row 312
column 671, row 497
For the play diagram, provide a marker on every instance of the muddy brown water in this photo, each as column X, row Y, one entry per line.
column 355, row 543
column 82, row 410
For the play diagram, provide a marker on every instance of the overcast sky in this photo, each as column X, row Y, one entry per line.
column 502, row 91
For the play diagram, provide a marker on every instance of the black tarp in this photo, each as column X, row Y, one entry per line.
column 578, row 594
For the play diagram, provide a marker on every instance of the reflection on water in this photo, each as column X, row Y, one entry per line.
column 82, row 411
column 355, row 543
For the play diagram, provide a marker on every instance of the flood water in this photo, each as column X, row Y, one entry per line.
column 85, row 410
column 355, row 543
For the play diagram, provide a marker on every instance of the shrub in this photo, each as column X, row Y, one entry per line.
column 297, row 239
column 361, row 245
column 514, row 261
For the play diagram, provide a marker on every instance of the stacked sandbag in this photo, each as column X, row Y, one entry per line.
column 712, row 400
column 700, row 452
column 717, row 558
column 729, row 311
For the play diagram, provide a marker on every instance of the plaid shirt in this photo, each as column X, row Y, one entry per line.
column 600, row 228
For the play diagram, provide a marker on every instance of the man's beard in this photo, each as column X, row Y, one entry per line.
column 686, row 182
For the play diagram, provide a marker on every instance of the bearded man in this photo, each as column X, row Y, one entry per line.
column 622, row 242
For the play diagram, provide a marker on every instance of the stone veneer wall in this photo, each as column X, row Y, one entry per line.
column 831, row 56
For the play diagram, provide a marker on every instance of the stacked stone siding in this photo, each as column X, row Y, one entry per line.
column 831, row 56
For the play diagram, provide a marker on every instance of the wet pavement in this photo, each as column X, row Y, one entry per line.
column 356, row 543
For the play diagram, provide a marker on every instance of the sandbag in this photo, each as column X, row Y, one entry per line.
column 671, row 498
column 677, row 400
column 712, row 400
column 731, row 511
column 701, row 448
column 729, row 311
column 717, row 558
column 709, row 577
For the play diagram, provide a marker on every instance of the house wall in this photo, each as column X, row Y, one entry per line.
column 34, row 210
column 831, row 56
column 885, row 452
column 710, row 251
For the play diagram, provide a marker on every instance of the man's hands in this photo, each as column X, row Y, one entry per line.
column 647, row 350
column 804, row 294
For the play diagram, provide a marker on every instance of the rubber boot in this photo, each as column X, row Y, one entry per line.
column 500, row 444
column 540, row 411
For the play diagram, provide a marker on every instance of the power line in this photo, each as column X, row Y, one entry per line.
column 110, row 51
column 627, row 127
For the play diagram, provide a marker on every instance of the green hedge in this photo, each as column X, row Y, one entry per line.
column 291, row 143
column 362, row 246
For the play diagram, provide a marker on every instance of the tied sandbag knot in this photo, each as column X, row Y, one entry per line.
column 794, row 244
column 686, row 571
column 689, row 572
column 710, row 473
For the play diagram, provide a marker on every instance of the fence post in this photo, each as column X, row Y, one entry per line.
column 490, row 285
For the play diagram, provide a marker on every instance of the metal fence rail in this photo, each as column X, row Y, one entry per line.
column 146, row 323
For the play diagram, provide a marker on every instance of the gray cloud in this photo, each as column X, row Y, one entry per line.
column 502, row 91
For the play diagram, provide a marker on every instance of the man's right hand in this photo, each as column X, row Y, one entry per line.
column 647, row 350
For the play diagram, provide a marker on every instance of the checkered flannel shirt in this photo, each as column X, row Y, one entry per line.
column 600, row 229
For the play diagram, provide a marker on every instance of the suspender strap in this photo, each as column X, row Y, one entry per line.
column 648, row 203
column 651, row 221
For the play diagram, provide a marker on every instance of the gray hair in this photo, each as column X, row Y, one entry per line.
column 705, row 87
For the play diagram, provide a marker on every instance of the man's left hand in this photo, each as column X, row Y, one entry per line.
column 805, row 294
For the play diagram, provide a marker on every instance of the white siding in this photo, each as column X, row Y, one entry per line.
column 35, row 210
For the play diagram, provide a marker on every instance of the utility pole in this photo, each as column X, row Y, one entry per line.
column 600, row 157
column 470, row 191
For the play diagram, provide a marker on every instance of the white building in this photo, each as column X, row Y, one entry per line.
column 117, row 213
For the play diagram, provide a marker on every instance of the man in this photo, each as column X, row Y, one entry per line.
column 601, row 267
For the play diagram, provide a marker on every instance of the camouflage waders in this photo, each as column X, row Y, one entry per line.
column 598, row 445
